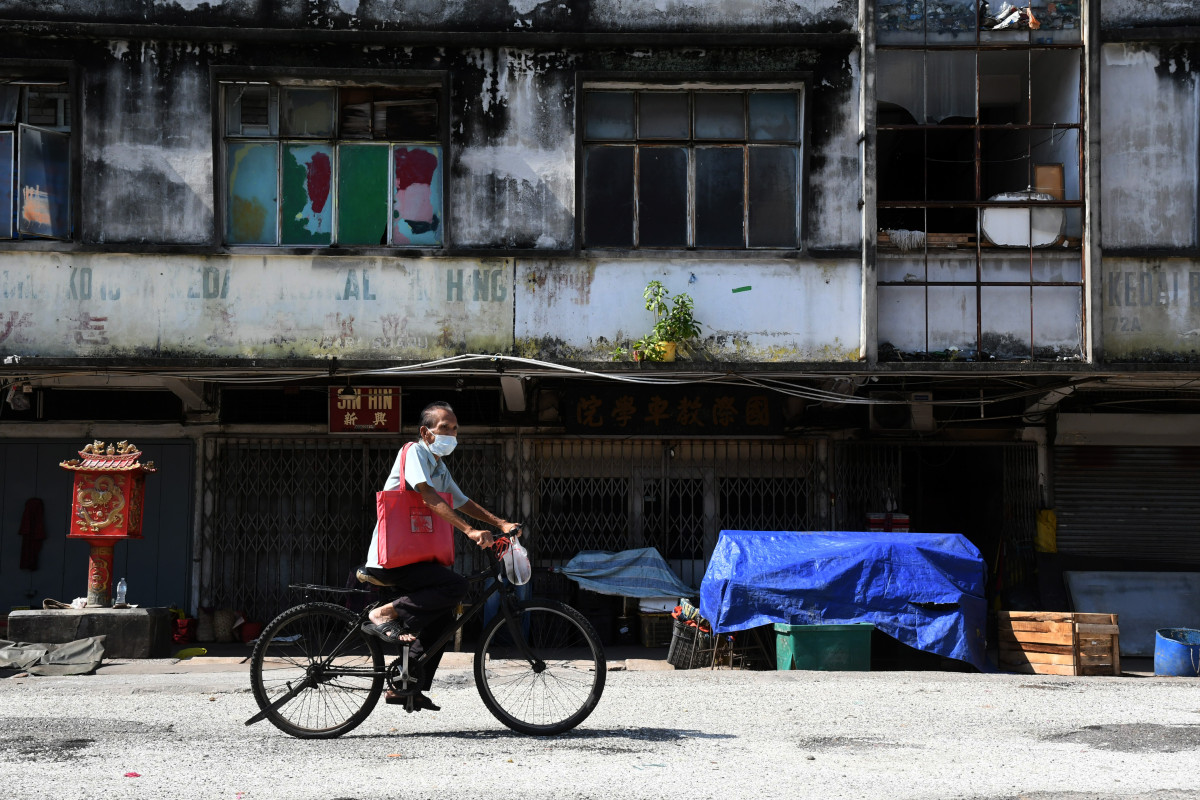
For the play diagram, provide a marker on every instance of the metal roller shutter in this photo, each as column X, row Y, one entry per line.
column 1136, row 503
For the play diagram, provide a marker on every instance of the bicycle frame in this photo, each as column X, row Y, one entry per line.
column 500, row 585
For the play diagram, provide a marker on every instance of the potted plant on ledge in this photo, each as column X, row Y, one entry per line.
column 674, row 322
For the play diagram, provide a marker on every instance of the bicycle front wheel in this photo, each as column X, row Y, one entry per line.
column 550, row 682
column 315, row 673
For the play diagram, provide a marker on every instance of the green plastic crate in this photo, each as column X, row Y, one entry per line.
column 845, row 648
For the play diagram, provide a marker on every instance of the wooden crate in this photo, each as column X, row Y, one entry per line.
column 1059, row 643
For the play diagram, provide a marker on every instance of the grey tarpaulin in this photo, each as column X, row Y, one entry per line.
column 629, row 573
column 70, row 658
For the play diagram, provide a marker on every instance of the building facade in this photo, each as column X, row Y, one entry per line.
column 944, row 255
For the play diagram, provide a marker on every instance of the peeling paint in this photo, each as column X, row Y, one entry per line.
column 242, row 306
column 1148, row 117
column 593, row 304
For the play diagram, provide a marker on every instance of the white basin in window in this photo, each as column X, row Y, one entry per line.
column 1026, row 226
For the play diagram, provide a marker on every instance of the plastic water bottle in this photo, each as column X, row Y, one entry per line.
column 122, row 588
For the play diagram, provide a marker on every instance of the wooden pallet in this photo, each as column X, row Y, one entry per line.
column 1059, row 643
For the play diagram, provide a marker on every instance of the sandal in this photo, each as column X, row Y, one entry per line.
column 420, row 701
column 390, row 631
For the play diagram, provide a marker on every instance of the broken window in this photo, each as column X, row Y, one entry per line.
column 687, row 167
column 35, row 157
column 318, row 165
column 980, row 190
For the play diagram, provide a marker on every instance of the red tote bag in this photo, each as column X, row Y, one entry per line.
column 409, row 531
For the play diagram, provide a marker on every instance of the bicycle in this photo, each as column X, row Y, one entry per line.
column 315, row 674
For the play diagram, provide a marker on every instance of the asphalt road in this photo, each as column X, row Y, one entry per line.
column 693, row 734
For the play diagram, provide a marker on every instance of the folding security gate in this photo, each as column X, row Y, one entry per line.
column 288, row 510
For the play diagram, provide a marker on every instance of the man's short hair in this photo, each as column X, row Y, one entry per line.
column 429, row 418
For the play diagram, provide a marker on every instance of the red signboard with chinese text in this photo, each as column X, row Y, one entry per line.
column 371, row 409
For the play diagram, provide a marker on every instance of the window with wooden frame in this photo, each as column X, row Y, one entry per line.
column 35, row 156
column 319, row 165
column 688, row 166
column 980, row 191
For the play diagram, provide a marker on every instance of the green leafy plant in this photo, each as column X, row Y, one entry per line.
column 674, row 325
column 674, row 317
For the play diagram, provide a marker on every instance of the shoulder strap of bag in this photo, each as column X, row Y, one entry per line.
column 404, row 465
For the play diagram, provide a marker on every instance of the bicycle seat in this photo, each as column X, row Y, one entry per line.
column 376, row 576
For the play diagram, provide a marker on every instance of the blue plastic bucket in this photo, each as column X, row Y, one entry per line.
column 1177, row 652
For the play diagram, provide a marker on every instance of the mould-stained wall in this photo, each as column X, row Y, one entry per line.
column 101, row 305
column 458, row 15
column 147, row 146
column 1142, row 14
column 1151, row 309
column 1150, row 99
column 834, row 183
column 760, row 311
column 514, row 179
column 722, row 15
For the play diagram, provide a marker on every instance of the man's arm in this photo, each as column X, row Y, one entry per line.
column 480, row 513
column 443, row 510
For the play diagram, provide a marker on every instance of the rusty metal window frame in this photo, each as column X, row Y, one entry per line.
column 949, row 267
column 690, row 144
column 339, row 81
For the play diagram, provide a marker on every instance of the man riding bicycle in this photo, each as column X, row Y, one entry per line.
column 429, row 591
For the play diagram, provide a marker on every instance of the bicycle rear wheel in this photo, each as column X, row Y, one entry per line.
column 556, row 689
column 319, row 670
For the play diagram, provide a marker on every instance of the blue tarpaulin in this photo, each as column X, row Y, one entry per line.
column 924, row 589
column 629, row 573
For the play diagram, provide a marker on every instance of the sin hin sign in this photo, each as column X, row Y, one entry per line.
column 371, row 409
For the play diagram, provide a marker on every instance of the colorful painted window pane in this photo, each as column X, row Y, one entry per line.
column 416, row 196
column 362, row 194
column 307, row 112
column 6, row 184
column 253, row 196
column 307, row 211
column 44, row 183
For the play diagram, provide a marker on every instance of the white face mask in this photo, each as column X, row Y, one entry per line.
column 442, row 445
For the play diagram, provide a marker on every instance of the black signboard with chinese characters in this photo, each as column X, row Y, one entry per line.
column 698, row 410
column 370, row 409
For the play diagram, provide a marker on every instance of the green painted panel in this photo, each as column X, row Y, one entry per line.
column 362, row 194
column 307, row 208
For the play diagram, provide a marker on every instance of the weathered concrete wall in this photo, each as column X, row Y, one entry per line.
column 834, row 186
column 721, row 15
column 1150, row 96
column 1141, row 14
column 1151, row 309
column 100, row 305
column 523, row 15
column 147, row 146
column 750, row 311
column 513, row 182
